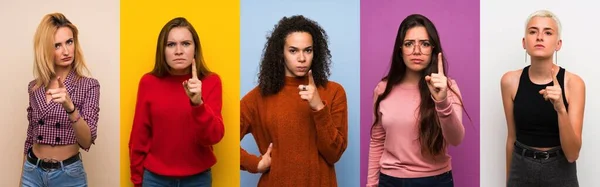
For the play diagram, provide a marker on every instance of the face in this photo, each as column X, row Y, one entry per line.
column 64, row 47
column 416, row 49
column 179, row 50
column 298, row 54
column 541, row 37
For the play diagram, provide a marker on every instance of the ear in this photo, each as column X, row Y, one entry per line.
column 523, row 41
column 559, row 45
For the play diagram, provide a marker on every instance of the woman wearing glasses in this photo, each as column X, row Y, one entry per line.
column 409, row 140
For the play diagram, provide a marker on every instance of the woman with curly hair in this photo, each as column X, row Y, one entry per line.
column 298, row 117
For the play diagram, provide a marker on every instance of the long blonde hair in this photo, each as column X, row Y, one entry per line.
column 43, row 48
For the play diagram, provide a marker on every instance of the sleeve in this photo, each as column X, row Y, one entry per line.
column 248, row 162
column 90, row 109
column 29, row 139
column 139, row 141
column 207, row 118
column 332, row 126
column 449, row 113
column 376, row 144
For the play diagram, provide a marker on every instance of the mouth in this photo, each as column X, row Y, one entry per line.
column 302, row 69
column 416, row 61
column 66, row 59
column 539, row 46
column 179, row 59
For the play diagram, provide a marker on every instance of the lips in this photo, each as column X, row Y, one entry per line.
column 539, row 46
column 416, row 61
column 302, row 69
column 67, row 59
column 179, row 59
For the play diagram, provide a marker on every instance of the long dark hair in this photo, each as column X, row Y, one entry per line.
column 430, row 133
column 272, row 66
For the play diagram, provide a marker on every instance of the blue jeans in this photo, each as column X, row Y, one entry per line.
column 441, row 180
column 203, row 179
column 72, row 175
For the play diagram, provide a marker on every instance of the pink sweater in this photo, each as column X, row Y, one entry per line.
column 395, row 149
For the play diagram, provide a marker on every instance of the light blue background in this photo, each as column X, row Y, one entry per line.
column 340, row 19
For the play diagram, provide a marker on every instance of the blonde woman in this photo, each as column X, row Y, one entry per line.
column 63, row 107
column 544, row 106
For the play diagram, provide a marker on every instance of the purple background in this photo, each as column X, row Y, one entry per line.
column 457, row 23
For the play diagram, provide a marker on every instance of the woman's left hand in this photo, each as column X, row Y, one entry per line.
column 438, row 82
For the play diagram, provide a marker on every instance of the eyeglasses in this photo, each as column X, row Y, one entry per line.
column 410, row 47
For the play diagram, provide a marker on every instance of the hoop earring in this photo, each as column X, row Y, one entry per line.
column 525, row 57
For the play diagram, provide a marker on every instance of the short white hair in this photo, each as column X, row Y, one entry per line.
column 545, row 14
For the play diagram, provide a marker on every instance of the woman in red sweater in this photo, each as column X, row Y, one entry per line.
column 177, row 115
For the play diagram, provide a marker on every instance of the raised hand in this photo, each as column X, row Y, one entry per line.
column 60, row 95
column 193, row 86
column 438, row 82
column 554, row 93
column 311, row 94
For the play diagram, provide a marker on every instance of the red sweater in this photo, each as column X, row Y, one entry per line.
column 170, row 137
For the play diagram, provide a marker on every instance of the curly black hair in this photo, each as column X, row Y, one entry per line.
column 272, row 65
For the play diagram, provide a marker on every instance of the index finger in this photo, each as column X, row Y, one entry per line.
column 311, row 80
column 440, row 64
column 60, row 82
column 194, row 72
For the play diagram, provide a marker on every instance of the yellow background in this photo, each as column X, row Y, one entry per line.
column 218, row 25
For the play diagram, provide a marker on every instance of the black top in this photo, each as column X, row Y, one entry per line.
column 536, row 121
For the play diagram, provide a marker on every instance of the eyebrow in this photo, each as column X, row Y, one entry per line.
column 180, row 41
column 294, row 47
column 412, row 40
column 545, row 28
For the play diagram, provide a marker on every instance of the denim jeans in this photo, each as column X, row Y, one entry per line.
column 72, row 175
column 442, row 180
column 203, row 179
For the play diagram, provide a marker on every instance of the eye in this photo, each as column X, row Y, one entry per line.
column 308, row 50
column 408, row 44
column 56, row 46
column 70, row 41
column 170, row 44
column 186, row 44
column 426, row 44
column 532, row 32
column 549, row 33
column 293, row 51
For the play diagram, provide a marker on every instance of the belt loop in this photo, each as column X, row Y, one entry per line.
column 37, row 162
column 523, row 151
column 62, row 166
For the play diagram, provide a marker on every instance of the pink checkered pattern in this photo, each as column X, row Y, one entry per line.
column 49, row 122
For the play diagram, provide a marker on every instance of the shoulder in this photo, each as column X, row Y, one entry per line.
column 511, row 78
column 212, row 78
column 574, row 81
column 252, row 95
column 334, row 86
column 380, row 88
column 88, row 82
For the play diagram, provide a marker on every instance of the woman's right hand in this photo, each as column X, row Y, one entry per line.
column 265, row 163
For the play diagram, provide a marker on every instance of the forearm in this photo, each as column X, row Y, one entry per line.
column 570, row 143
column 510, row 145
column 82, row 129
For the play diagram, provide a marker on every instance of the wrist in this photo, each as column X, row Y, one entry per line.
column 69, row 107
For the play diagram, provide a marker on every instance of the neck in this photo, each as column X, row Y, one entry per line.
column 412, row 77
column 541, row 67
column 179, row 72
column 62, row 71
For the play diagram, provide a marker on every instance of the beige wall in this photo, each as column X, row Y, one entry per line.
column 98, row 23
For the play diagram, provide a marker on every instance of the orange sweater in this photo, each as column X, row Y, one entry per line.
column 306, row 143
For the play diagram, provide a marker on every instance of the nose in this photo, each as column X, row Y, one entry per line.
column 417, row 50
column 178, row 50
column 301, row 57
column 65, row 51
column 540, row 37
